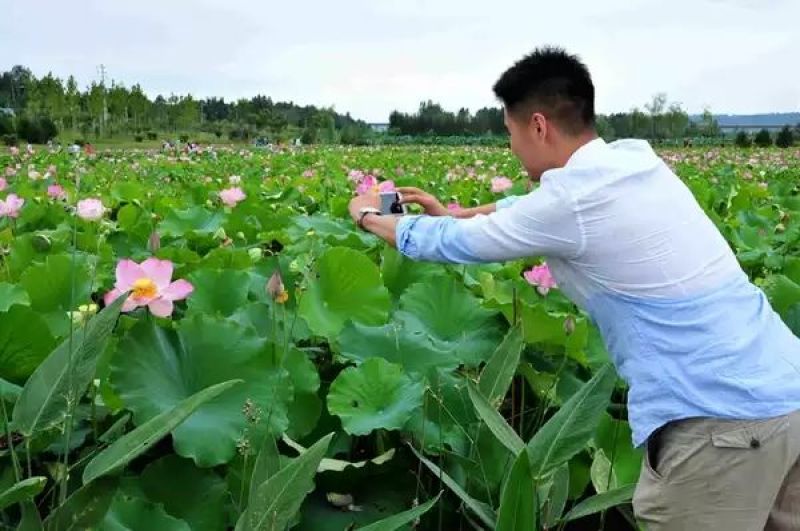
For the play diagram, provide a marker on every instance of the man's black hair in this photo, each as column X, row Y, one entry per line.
column 552, row 82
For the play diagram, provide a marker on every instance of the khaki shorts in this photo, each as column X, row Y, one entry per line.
column 726, row 475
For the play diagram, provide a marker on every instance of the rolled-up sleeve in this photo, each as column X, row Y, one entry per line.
column 542, row 223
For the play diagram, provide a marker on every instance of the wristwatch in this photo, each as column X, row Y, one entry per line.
column 363, row 211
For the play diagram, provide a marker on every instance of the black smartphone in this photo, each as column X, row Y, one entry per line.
column 391, row 205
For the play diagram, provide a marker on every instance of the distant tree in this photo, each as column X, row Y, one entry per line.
column 742, row 140
column 656, row 109
column 604, row 127
column 6, row 124
column 708, row 124
column 785, row 138
column 763, row 139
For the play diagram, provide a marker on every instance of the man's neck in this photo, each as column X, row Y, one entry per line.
column 572, row 144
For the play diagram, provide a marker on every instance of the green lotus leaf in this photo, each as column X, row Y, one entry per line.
column 400, row 272
column 130, row 513
column 154, row 369
column 30, row 248
column 260, row 315
column 25, row 341
column 397, row 343
column 189, row 493
column 218, row 292
column 305, row 409
column 56, row 287
column 11, row 294
column 194, row 220
column 349, row 287
column 374, row 395
column 333, row 231
column 613, row 437
column 452, row 318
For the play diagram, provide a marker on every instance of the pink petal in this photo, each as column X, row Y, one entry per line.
column 111, row 296
column 161, row 307
column 128, row 272
column 160, row 271
column 130, row 305
column 114, row 294
column 178, row 290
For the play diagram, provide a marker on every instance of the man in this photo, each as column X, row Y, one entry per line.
column 714, row 374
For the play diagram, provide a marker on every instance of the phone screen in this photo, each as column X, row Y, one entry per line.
column 390, row 204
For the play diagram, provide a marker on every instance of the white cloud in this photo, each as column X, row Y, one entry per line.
column 369, row 57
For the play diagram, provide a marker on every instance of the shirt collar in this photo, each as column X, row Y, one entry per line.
column 586, row 152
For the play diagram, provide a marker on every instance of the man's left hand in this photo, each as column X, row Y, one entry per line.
column 361, row 201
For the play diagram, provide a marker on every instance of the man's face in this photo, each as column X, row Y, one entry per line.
column 529, row 142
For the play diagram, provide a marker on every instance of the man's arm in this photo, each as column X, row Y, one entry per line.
column 433, row 207
column 541, row 223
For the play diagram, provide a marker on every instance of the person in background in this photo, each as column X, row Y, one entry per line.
column 713, row 372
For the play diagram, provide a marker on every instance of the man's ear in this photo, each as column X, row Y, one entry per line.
column 538, row 125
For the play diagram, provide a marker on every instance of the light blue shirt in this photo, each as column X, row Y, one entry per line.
column 626, row 240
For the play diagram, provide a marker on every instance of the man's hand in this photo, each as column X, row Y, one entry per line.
column 360, row 201
column 431, row 205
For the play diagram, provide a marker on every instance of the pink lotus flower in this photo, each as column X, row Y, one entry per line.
column 308, row 173
column 3, row 184
column 14, row 151
column 11, row 206
column 370, row 184
column 367, row 184
column 56, row 192
column 34, row 175
column 231, row 196
column 501, row 184
column 235, row 179
column 540, row 277
column 91, row 209
column 356, row 176
column 150, row 285
column 386, row 186
column 10, row 171
column 52, row 170
column 454, row 206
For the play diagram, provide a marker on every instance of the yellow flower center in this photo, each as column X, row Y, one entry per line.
column 144, row 288
column 282, row 297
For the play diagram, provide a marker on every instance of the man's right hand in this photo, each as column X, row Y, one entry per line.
column 431, row 205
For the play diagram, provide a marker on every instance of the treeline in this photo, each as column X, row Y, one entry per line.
column 36, row 109
column 658, row 120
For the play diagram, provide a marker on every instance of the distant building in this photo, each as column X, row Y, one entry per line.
column 7, row 110
column 379, row 128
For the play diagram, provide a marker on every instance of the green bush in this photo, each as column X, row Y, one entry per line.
column 183, row 138
column 743, row 140
column 138, row 138
column 36, row 130
column 151, row 135
column 763, row 139
column 10, row 139
column 785, row 138
column 6, row 124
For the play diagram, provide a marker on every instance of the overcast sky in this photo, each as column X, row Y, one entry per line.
column 369, row 57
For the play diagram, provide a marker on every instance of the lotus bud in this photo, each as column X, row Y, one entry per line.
column 569, row 325
column 154, row 242
column 276, row 289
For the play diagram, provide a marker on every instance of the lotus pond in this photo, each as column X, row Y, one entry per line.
column 204, row 341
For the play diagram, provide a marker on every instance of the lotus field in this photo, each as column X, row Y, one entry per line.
column 205, row 341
